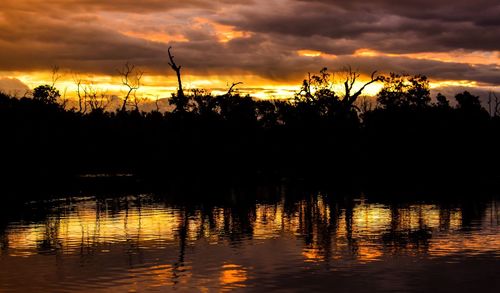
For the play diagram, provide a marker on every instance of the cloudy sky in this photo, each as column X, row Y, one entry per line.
column 270, row 45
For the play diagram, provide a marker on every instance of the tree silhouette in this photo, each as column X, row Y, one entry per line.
column 442, row 101
column 468, row 102
column 350, row 78
column 46, row 94
column 318, row 100
column 180, row 101
column 131, row 79
column 404, row 91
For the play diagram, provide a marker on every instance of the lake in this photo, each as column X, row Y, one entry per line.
column 268, row 239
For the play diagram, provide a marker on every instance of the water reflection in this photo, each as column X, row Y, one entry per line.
column 146, row 243
column 233, row 276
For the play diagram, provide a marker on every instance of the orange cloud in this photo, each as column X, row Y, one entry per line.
column 224, row 33
column 156, row 37
column 456, row 56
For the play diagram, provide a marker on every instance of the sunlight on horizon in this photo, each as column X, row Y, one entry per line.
column 163, row 86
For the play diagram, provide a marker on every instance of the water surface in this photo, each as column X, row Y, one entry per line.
column 315, row 242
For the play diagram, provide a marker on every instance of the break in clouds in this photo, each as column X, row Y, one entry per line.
column 258, row 37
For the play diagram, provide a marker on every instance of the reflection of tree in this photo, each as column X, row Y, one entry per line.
column 133, row 240
column 318, row 224
column 327, row 226
column 472, row 212
column 182, row 235
column 444, row 218
column 4, row 243
column 349, row 212
column 50, row 242
column 401, row 236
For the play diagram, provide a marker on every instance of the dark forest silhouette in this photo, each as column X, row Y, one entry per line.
column 319, row 133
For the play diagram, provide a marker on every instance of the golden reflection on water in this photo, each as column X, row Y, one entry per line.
column 88, row 224
column 233, row 276
column 314, row 230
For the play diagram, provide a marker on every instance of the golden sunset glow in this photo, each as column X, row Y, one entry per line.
column 162, row 86
column 309, row 53
column 156, row 37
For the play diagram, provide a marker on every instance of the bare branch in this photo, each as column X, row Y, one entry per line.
column 131, row 78
column 156, row 104
column 494, row 104
column 82, row 100
column 55, row 75
column 234, row 84
column 374, row 79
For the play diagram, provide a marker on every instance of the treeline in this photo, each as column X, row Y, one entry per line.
column 402, row 137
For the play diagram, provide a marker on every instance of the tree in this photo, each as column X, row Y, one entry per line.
column 203, row 103
column 317, row 97
column 404, row 91
column 318, row 87
column 179, row 100
column 82, row 99
column 177, row 70
column 470, row 106
column 493, row 104
column 90, row 97
column 46, row 94
column 131, row 78
column 350, row 78
column 442, row 101
column 468, row 102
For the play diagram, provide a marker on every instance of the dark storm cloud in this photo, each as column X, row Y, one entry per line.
column 444, row 10
column 392, row 26
column 93, row 36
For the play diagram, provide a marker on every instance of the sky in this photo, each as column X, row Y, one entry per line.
column 268, row 45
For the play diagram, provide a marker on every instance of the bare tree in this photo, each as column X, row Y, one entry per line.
column 96, row 99
column 90, row 97
column 82, row 98
column 55, row 75
column 314, row 83
column 177, row 69
column 131, row 78
column 321, row 85
column 156, row 103
column 493, row 104
column 231, row 88
column 350, row 78
column 137, row 101
column 64, row 100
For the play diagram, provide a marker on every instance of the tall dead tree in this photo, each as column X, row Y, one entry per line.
column 493, row 104
column 55, row 76
column 97, row 100
column 131, row 78
column 90, row 97
column 82, row 99
column 349, row 81
column 177, row 69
